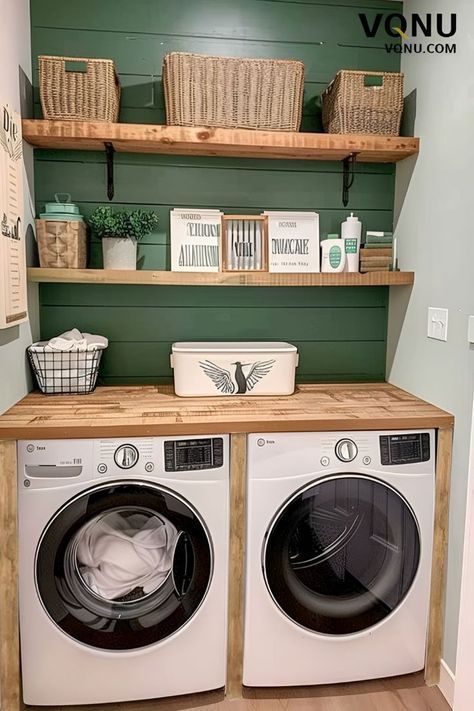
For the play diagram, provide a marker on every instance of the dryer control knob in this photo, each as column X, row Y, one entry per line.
column 346, row 450
column 126, row 456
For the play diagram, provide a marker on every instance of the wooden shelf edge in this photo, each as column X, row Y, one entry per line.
column 243, row 143
column 163, row 278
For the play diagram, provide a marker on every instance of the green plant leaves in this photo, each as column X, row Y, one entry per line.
column 133, row 224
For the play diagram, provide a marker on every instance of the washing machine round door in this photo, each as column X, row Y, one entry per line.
column 341, row 554
column 124, row 565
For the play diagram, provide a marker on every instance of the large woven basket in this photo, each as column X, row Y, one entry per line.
column 229, row 92
column 353, row 104
column 79, row 89
column 62, row 244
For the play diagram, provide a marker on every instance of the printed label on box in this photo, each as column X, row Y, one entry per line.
column 195, row 240
column 293, row 242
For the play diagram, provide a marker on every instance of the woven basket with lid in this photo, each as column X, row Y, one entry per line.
column 352, row 104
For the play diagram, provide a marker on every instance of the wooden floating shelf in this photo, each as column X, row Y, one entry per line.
column 167, row 278
column 204, row 141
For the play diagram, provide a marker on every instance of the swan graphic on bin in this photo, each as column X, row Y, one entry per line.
column 240, row 383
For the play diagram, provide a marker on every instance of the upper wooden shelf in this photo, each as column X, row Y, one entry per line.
column 239, row 143
column 166, row 278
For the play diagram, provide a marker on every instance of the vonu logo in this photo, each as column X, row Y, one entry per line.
column 397, row 25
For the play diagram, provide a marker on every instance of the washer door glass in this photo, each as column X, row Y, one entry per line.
column 123, row 565
column 341, row 554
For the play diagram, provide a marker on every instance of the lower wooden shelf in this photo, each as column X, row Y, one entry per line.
column 118, row 276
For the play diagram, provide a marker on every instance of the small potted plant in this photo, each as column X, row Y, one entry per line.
column 120, row 233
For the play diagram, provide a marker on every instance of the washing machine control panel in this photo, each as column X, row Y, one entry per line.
column 194, row 454
column 404, row 448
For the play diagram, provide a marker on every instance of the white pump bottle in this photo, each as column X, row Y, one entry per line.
column 351, row 230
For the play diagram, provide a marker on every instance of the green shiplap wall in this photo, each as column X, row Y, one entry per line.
column 340, row 332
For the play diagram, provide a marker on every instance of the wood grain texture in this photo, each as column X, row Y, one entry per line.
column 9, row 639
column 238, row 482
column 439, row 561
column 406, row 693
column 155, row 410
column 226, row 142
column 125, row 276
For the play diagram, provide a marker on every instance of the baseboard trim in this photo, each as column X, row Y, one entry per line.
column 446, row 683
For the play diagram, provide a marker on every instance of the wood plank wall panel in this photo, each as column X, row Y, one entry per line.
column 341, row 333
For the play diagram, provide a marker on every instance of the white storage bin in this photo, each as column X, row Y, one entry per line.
column 240, row 368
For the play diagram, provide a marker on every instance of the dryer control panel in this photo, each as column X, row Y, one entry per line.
column 404, row 448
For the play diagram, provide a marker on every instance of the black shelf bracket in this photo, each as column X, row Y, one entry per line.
column 109, row 154
column 348, row 176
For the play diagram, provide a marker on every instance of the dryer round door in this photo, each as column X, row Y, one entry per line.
column 341, row 554
column 123, row 565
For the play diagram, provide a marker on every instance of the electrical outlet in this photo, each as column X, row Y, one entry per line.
column 438, row 324
column 470, row 329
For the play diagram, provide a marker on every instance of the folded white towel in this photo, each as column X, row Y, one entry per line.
column 94, row 341
column 118, row 553
column 73, row 340
column 68, row 341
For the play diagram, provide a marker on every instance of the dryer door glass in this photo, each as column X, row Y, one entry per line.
column 124, row 565
column 342, row 554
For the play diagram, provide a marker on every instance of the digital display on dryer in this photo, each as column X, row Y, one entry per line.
column 404, row 448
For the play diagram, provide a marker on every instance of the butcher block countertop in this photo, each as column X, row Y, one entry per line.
column 155, row 410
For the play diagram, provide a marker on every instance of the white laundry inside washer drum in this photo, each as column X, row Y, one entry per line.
column 123, row 556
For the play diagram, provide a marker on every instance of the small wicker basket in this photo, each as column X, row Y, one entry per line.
column 79, row 89
column 229, row 92
column 350, row 105
column 62, row 244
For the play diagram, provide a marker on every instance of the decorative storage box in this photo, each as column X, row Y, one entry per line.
column 293, row 241
column 231, row 92
column 240, row 368
column 195, row 240
column 62, row 243
column 364, row 102
column 78, row 88
column 244, row 243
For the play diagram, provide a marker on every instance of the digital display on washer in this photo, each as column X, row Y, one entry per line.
column 404, row 448
column 194, row 454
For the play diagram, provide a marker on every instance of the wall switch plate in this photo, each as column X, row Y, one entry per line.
column 470, row 329
column 438, row 324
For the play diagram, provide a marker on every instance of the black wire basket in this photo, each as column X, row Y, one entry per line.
column 64, row 372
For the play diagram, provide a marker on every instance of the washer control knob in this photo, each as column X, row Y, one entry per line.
column 346, row 450
column 126, row 456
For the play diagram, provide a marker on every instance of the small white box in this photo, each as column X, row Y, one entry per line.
column 195, row 240
column 293, row 241
column 240, row 368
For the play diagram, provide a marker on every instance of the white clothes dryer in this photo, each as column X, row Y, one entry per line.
column 123, row 568
column 339, row 543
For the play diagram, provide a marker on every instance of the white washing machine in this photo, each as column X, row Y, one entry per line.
column 123, row 568
column 339, row 543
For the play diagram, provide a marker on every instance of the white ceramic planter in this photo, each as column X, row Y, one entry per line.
column 119, row 253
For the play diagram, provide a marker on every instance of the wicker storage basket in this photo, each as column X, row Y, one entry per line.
column 350, row 106
column 228, row 92
column 62, row 244
column 89, row 91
